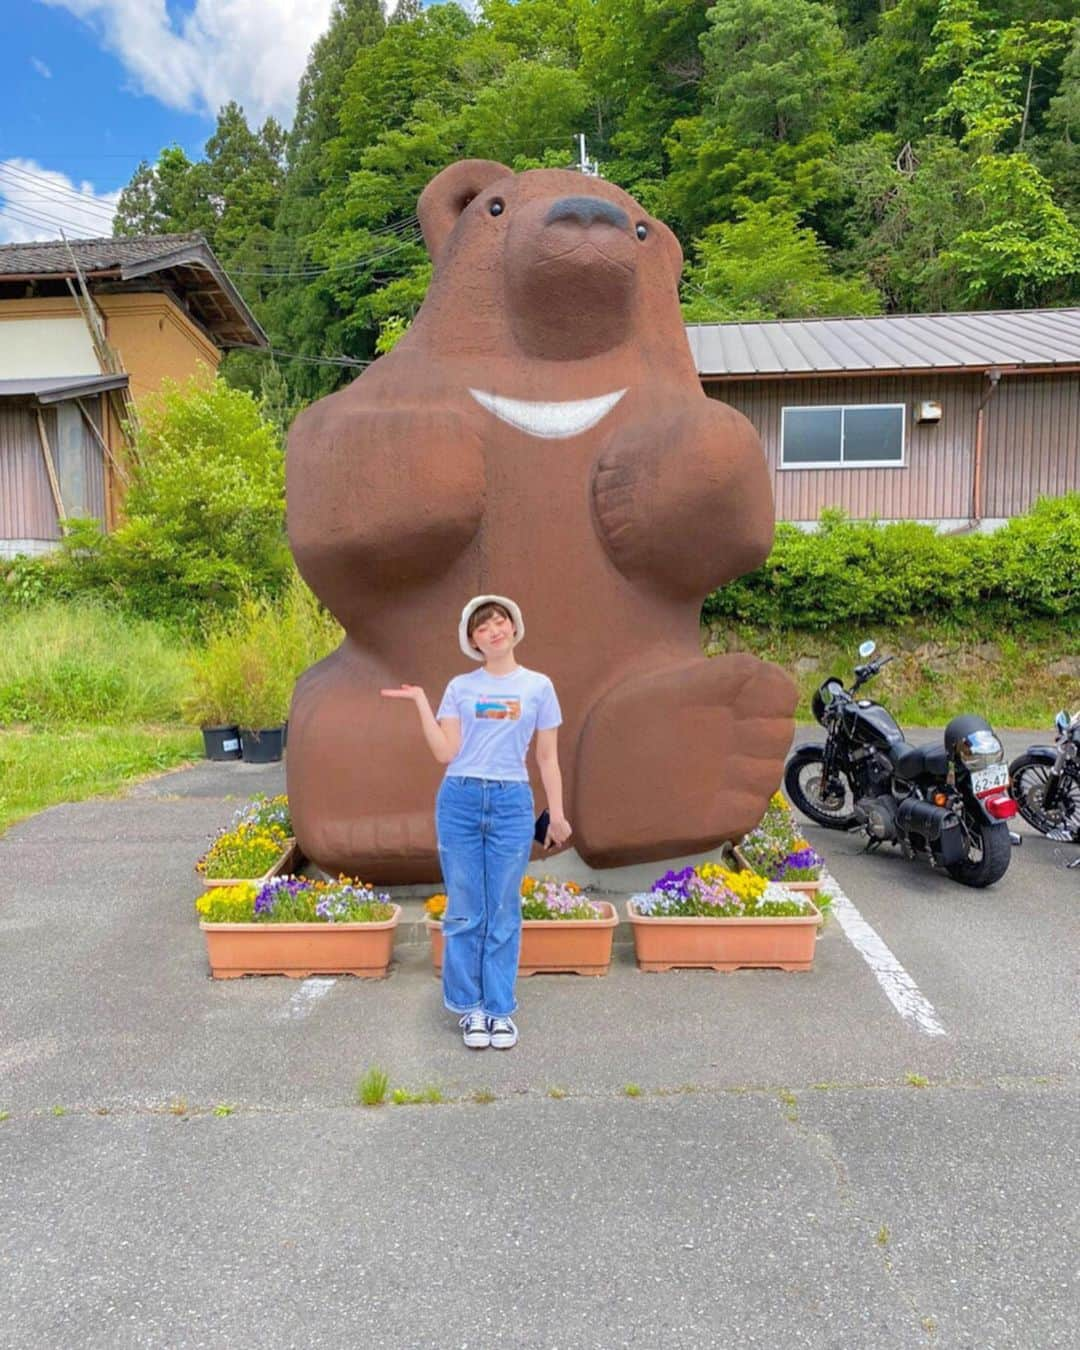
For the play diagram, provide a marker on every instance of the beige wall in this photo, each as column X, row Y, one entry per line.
column 43, row 337
column 154, row 338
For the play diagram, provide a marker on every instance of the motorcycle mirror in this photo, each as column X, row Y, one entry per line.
column 1061, row 721
column 867, row 648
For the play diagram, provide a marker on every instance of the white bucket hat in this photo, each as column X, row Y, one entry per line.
column 474, row 604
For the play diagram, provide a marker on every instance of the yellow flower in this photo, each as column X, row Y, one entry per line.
column 435, row 905
column 528, row 885
column 573, row 888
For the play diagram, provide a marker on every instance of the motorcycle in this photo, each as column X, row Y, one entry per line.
column 948, row 803
column 1046, row 782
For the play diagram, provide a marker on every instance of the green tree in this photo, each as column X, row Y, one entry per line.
column 766, row 266
column 1024, row 250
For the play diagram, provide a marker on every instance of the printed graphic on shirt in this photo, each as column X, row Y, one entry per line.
column 495, row 709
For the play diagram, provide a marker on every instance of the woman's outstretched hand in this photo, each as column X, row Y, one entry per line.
column 410, row 691
column 558, row 832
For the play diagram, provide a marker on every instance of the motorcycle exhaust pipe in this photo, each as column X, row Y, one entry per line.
column 1015, row 839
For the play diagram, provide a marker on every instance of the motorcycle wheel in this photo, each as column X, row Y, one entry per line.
column 1030, row 779
column 989, row 853
column 804, row 787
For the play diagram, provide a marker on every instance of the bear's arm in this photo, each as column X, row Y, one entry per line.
column 682, row 500
column 379, row 499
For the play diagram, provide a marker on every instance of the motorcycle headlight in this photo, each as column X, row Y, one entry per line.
column 980, row 749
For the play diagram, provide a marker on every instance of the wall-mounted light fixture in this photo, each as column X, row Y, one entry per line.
column 929, row 411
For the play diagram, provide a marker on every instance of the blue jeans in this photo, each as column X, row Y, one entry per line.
column 485, row 833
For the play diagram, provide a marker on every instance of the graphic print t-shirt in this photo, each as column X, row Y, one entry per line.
column 499, row 714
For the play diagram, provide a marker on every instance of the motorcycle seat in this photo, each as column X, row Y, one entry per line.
column 914, row 761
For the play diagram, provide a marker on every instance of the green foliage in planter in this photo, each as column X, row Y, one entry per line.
column 775, row 848
column 253, row 657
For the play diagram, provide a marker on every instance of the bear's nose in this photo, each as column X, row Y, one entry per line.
column 587, row 211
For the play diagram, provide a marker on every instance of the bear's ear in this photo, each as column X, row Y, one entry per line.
column 673, row 249
column 449, row 193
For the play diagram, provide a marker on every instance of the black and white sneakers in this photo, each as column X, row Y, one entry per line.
column 503, row 1033
column 479, row 1032
column 475, row 1031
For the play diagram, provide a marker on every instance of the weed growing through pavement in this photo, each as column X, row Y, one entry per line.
column 5, row 1115
column 59, row 1110
column 631, row 1090
column 557, row 1092
column 223, row 1109
column 916, row 1080
column 372, row 1087
column 178, row 1107
column 791, row 1105
column 482, row 1096
column 429, row 1096
column 882, row 1238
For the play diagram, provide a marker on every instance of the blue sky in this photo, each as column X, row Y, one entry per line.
column 93, row 86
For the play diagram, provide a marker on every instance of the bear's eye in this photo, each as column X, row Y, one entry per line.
column 496, row 208
column 642, row 231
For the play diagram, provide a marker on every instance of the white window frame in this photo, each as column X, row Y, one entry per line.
column 841, row 463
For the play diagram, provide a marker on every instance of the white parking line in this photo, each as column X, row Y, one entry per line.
column 305, row 998
column 900, row 989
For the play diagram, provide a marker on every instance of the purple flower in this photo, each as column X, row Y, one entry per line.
column 677, row 882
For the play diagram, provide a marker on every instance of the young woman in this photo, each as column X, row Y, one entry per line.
column 484, row 812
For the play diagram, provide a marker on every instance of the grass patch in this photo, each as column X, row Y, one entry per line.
column 372, row 1087
column 941, row 669
column 80, row 662
column 916, row 1080
column 223, row 1109
column 557, row 1093
column 631, row 1090
column 42, row 768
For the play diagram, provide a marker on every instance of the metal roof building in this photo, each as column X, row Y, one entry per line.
column 953, row 418
column 1030, row 339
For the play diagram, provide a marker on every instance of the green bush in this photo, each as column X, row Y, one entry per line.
column 63, row 664
column 859, row 571
column 253, row 657
column 204, row 517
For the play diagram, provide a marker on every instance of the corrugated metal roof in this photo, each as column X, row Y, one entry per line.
column 56, row 388
column 1010, row 338
column 188, row 260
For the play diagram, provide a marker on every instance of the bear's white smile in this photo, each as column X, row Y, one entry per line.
column 550, row 420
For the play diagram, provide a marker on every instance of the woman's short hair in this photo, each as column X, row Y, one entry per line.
column 483, row 612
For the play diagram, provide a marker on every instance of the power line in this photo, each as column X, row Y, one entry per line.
column 346, row 361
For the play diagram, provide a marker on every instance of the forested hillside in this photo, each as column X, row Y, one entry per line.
column 814, row 157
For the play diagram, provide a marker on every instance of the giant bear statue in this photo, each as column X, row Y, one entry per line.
column 539, row 432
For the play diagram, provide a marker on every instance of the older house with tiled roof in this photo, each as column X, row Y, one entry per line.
column 958, row 419
column 88, row 330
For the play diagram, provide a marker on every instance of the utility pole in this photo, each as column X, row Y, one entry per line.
column 585, row 164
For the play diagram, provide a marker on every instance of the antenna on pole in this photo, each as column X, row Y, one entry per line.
column 585, row 164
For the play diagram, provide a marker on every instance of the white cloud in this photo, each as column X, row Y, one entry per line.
column 253, row 51
column 41, row 68
column 37, row 203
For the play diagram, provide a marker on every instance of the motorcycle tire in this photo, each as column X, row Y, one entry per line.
column 793, row 786
column 1029, row 775
column 996, row 848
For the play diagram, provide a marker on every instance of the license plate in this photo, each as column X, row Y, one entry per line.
column 986, row 780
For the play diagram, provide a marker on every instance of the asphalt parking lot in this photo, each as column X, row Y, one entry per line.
column 880, row 1152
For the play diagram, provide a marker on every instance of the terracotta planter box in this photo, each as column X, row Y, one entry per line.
column 288, row 860
column 300, row 949
column 724, row 944
column 554, row 946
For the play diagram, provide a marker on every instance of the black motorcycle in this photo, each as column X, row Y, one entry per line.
column 945, row 803
column 1046, row 782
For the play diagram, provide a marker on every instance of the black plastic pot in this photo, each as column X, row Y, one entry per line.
column 262, row 746
column 221, row 742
